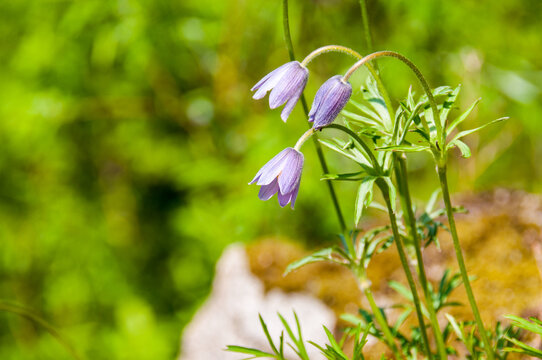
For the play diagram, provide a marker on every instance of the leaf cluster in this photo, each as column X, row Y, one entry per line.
column 333, row 350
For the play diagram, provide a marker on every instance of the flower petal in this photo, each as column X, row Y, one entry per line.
column 271, row 169
column 288, row 198
column 321, row 95
column 269, row 81
column 267, row 191
column 332, row 104
column 291, row 80
column 292, row 102
column 291, row 171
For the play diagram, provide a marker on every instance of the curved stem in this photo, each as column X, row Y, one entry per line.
column 345, row 50
column 384, row 327
column 318, row 147
column 359, row 141
column 402, row 181
column 415, row 70
column 304, row 138
column 327, row 49
column 18, row 310
column 459, row 255
column 404, row 262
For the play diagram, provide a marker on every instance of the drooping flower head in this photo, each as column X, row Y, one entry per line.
column 281, row 175
column 330, row 99
column 286, row 84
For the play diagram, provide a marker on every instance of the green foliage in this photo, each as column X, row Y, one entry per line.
column 534, row 326
column 332, row 350
column 121, row 123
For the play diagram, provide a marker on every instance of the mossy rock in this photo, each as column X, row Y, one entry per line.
column 501, row 239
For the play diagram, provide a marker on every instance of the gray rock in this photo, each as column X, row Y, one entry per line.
column 230, row 314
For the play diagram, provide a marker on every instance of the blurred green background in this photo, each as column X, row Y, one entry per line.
column 128, row 135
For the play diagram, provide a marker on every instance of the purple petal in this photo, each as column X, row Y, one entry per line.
column 267, row 191
column 271, row 169
column 292, row 102
column 291, row 171
column 269, row 81
column 321, row 94
column 291, row 80
column 288, row 198
column 332, row 104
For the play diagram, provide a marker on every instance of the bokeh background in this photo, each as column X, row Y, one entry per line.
column 128, row 136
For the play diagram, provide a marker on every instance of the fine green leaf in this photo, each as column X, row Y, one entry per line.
column 249, row 351
column 455, row 326
column 448, row 104
column 321, row 255
column 299, row 345
column 401, row 289
column 525, row 324
column 363, row 120
column 404, row 148
column 365, row 109
column 334, row 344
column 523, row 348
column 468, row 132
column 374, row 98
column 432, row 201
column 345, row 176
column 464, row 148
column 393, row 193
column 462, row 117
column 356, row 157
column 267, row 335
column 365, row 196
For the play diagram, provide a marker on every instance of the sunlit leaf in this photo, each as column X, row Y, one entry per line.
column 321, row 255
column 468, row 132
column 365, row 196
column 448, row 104
column 461, row 117
column 464, row 148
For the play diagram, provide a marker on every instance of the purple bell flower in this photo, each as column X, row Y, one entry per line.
column 330, row 99
column 286, row 84
column 281, row 175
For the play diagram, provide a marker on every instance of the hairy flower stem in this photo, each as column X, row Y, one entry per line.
column 384, row 327
column 421, row 79
column 343, row 49
column 406, row 201
column 459, row 255
column 404, row 262
column 319, row 151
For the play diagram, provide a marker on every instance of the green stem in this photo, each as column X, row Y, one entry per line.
column 319, row 151
column 459, row 255
column 404, row 262
column 286, row 28
column 402, row 180
column 38, row 320
column 384, row 327
column 366, row 27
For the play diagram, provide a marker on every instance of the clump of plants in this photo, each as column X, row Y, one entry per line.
column 379, row 137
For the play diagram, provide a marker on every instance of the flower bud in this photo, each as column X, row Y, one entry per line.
column 330, row 99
